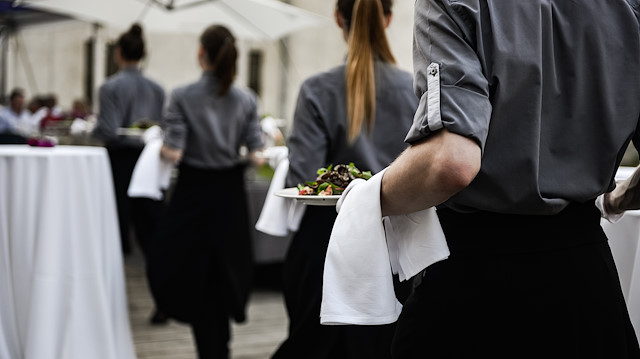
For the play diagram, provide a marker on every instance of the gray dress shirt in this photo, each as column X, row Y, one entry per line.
column 548, row 88
column 125, row 98
column 209, row 128
column 319, row 134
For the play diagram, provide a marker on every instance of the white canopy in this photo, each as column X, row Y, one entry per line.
column 249, row 19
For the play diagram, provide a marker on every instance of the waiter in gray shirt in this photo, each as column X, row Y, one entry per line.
column 526, row 110
column 127, row 98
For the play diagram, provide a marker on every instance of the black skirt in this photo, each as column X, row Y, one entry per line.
column 519, row 287
column 201, row 259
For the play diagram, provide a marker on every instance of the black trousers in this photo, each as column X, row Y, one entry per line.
column 302, row 287
column 141, row 213
column 519, row 287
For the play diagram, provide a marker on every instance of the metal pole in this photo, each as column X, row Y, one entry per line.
column 4, row 50
column 284, row 77
column 283, row 50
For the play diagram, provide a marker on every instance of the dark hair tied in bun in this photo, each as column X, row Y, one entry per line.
column 131, row 44
column 136, row 30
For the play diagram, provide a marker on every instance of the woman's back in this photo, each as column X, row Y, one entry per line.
column 211, row 128
column 358, row 112
column 320, row 132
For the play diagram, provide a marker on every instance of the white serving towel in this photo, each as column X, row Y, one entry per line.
column 279, row 215
column 152, row 173
column 364, row 253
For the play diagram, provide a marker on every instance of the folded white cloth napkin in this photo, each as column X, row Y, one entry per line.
column 279, row 215
column 363, row 254
column 152, row 173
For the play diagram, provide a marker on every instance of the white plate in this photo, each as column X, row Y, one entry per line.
column 312, row 200
column 134, row 132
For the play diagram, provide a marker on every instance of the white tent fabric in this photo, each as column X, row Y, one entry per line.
column 261, row 20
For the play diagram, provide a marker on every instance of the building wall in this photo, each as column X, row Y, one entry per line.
column 50, row 58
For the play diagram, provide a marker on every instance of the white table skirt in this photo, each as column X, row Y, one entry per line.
column 62, row 286
column 624, row 240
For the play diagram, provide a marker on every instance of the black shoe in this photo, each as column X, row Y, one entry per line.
column 159, row 318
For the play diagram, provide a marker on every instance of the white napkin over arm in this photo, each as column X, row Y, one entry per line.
column 279, row 215
column 152, row 173
column 364, row 251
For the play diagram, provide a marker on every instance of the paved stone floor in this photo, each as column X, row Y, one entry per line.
column 256, row 339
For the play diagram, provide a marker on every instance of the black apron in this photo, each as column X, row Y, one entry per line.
column 519, row 286
column 201, row 259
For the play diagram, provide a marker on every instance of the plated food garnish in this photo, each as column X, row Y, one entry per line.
column 332, row 180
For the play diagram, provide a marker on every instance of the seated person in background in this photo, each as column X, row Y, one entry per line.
column 39, row 110
column 15, row 118
column 54, row 111
column 51, row 101
column 80, row 108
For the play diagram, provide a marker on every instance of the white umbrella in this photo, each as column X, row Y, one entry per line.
column 249, row 19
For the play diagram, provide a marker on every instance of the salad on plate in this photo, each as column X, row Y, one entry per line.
column 332, row 180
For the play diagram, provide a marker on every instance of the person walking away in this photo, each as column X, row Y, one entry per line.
column 200, row 264
column 125, row 99
column 357, row 112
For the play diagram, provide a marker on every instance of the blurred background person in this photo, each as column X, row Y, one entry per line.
column 54, row 107
column 358, row 112
column 80, row 108
column 39, row 110
column 53, row 113
column 126, row 98
column 15, row 119
column 200, row 264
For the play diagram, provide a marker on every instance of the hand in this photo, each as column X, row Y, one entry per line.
column 257, row 160
column 172, row 155
column 607, row 211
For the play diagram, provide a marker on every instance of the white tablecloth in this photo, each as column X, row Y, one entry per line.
column 62, row 287
column 624, row 240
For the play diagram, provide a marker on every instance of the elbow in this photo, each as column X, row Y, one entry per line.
column 456, row 171
column 459, row 176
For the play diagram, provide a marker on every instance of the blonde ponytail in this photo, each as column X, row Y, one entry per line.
column 367, row 40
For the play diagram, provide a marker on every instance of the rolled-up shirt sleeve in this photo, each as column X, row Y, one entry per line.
column 174, row 123
column 448, row 75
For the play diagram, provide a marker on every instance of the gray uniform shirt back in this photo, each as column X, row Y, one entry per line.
column 125, row 98
column 550, row 89
column 209, row 128
column 319, row 134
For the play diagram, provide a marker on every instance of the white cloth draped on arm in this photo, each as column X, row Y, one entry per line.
column 364, row 252
column 152, row 173
column 279, row 215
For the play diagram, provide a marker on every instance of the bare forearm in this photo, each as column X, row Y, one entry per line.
column 626, row 195
column 429, row 173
